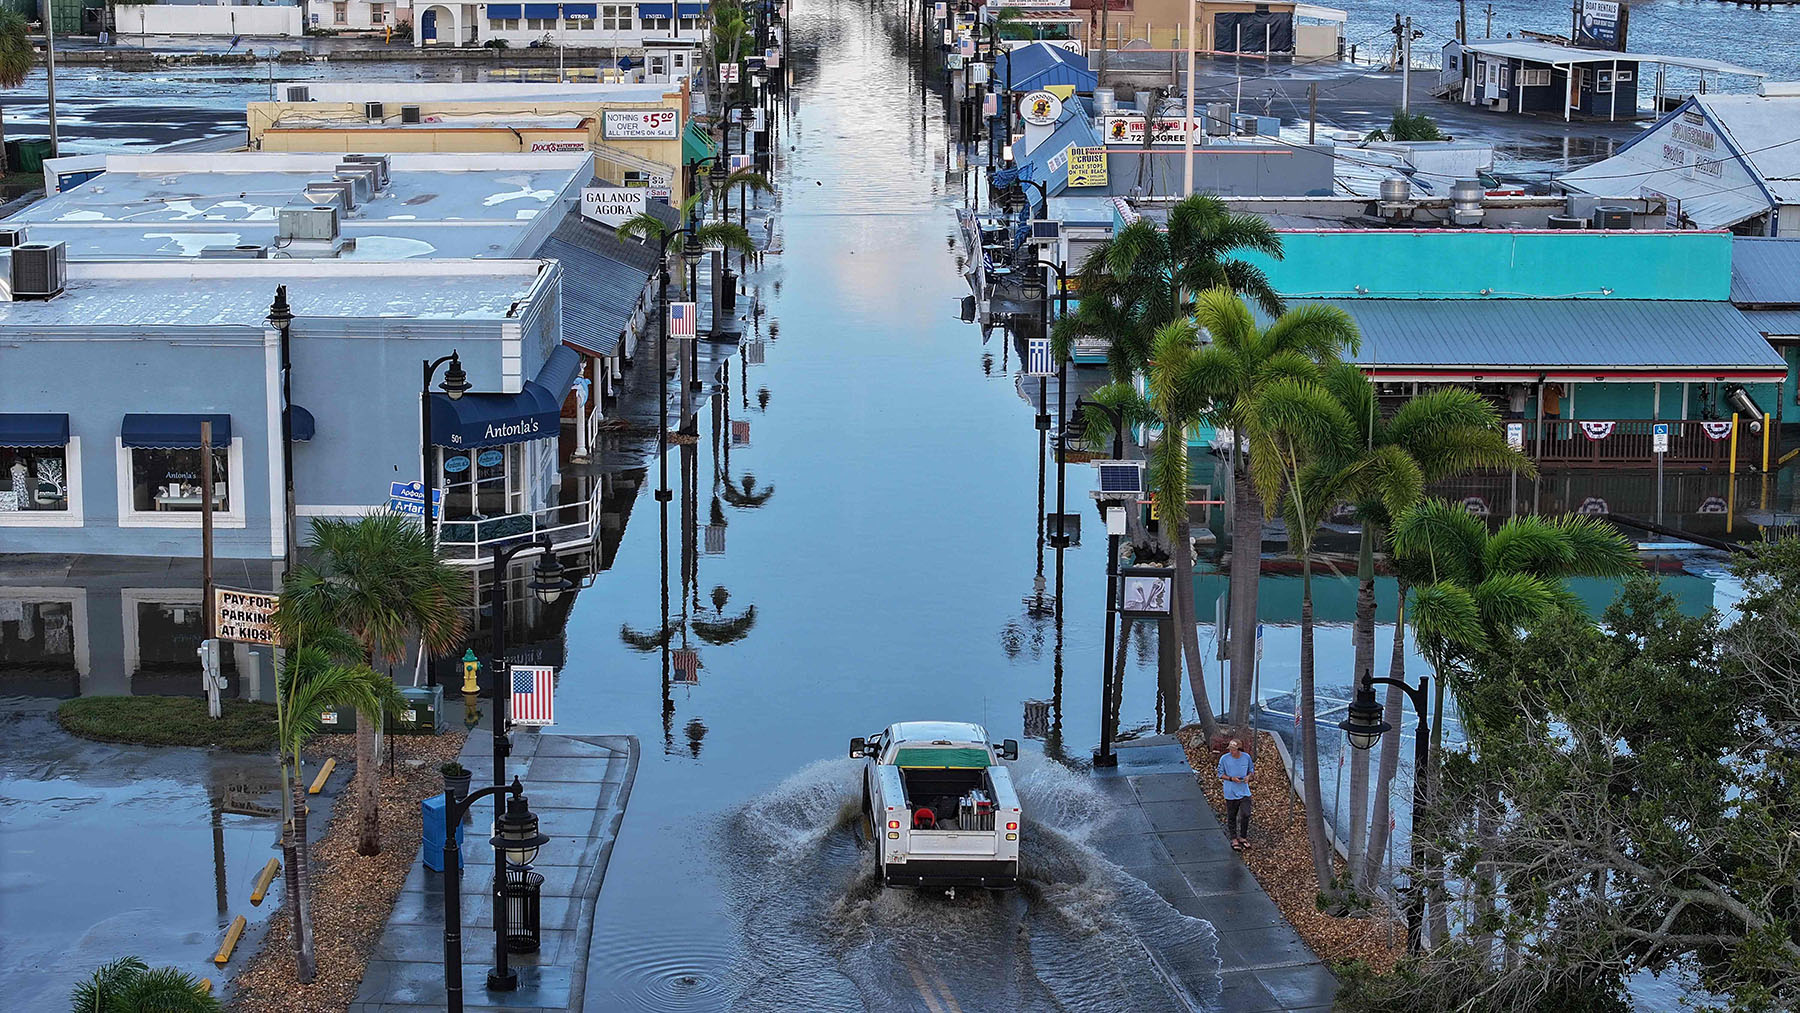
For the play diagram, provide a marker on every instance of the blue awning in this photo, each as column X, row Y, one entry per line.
column 656, row 10
column 549, row 11
column 173, row 432
column 581, row 10
column 500, row 11
column 34, row 429
column 693, row 10
column 300, row 424
column 487, row 420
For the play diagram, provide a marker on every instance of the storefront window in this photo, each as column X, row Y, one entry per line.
column 169, row 480
column 37, row 636
column 476, row 482
column 33, row 478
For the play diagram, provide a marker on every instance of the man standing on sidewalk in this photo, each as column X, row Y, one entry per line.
column 1235, row 768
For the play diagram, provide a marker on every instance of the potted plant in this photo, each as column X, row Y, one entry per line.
column 456, row 778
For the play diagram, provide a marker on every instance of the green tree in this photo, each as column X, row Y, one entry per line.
column 381, row 580
column 1477, row 590
column 128, row 985
column 1407, row 126
column 321, row 671
column 645, row 226
column 1242, row 362
column 1174, row 404
column 16, row 59
column 1430, row 437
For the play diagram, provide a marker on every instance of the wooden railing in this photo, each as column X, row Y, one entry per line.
column 1622, row 442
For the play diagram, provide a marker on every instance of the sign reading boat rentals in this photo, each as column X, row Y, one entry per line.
column 247, row 617
column 641, row 124
column 613, row 205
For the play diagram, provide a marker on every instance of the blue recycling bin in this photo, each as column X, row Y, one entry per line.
column 431, row 811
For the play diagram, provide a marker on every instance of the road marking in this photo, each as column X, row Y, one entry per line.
column 944, row 989
column 919, row 982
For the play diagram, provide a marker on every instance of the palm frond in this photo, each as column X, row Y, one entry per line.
column 1318, row 331
column 1532, row 545
column 96, row 993
column 17, row 55
column 641, row 226
column 1447, row 613
column 1597, row 549
column 729, row 235
column 1441, row 541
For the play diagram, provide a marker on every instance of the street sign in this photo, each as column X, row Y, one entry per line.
column 409, row 498
column 1259, row 641
column 728, row 73
column 1515, row 435
column 245, row 616
column 1038, row 357
column 1659, row 437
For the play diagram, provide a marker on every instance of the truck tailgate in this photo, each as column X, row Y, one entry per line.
column 953, row 843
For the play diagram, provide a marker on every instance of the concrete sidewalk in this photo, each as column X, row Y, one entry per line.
column 578, row 786
column 1166, row 834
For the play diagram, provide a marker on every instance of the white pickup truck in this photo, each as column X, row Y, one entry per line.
column 939, row 806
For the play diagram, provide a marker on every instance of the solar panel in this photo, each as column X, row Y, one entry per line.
column 1046, row 230
column 1120, row 479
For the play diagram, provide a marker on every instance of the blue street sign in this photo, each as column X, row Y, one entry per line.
column 409, row 498
column 1659, row 437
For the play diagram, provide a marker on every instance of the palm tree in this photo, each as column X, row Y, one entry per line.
column 1431, row 437
column 1241, row 363
column 16, row 59
column 1175, row 402
column 128, row 985
column 321, row 671
column 1145, row 276
column 1477, row 590
column 739, row 180
column 645, row 226
column 380, row 579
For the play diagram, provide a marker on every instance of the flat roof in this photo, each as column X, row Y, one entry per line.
column 476, row 91
column 1544, row 52
column 158, row 206
column 236, row 293
column 303, row 120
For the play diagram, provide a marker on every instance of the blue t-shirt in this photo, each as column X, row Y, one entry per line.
column 1236, row 766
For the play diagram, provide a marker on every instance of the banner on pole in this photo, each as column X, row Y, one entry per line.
column 533, row 695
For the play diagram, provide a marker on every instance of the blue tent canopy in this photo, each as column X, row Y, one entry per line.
column 488, row 420
column 173, row 432
column 34, row 429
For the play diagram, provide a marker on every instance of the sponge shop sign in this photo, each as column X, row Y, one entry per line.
column 634, row 124
column 613, row 205
column 247, row 617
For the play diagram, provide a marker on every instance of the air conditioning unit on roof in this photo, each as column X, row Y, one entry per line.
column 39, row 270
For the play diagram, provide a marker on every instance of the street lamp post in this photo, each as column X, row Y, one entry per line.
column 517, row 840
column 1060, row 539
column 1364, row 726
column 455, row 384
column 281, row 317
column 1104, row 756
column 548, row 582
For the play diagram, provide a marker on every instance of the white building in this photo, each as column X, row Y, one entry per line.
column 594, row 25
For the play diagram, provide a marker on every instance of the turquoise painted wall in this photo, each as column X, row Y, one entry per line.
column 1449, row 264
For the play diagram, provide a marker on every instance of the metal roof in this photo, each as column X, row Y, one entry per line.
column 1592, row 334
column 1783, row 323
column 1766, row 132
column 1765, row 272
column 1545, row 52
column 604, row 277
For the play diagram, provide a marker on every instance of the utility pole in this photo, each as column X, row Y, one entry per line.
column 1187, row 127
column 50, row 70
column 209, row 649
column 1490, row 27
column 1406, row 69
column 1312, row 113
column 1462, row 20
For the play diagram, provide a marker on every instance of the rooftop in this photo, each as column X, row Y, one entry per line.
column 157, row 206
column 1546, row 52
column 1765, row 272
column 299, row 119
column 477, row 91
column 236, row 293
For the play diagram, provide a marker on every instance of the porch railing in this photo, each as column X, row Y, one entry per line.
column 470, row 542
column 1621, row 442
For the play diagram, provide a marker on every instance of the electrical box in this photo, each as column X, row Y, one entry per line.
column 423, row 713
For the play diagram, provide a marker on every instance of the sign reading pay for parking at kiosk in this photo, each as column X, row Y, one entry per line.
column 247, row 617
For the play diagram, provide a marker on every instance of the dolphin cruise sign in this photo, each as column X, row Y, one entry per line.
column 487, row 420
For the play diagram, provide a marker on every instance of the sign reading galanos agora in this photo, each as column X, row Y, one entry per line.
column 247, row 617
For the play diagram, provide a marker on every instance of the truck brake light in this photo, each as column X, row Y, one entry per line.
column 893, row 824
column 1012, row 826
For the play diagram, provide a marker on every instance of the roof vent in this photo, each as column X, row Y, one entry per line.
column 409, row 114
column 39, row 270
column 1396, row 196
column 1465, row 202
column 366, row 177
column 299, row 93
column 10, row 237
column 327, row 191
column 373, row 110
column 307, row 222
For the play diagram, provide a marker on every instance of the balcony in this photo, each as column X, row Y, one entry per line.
column 1619, row 443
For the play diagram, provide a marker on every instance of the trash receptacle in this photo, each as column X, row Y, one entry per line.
column 31, row 155
column 423, row 713
column 431, row 813
column 524, row 893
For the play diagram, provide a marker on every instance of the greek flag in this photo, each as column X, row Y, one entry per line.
column 1037, row 357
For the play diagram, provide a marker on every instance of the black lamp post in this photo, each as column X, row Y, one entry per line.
column 691, row 252
column 548, row 582
column 1364, row 726
column 455, row 384
column 517, row 841
column 1060, row 538
column 1076, row 427
column 281, row 317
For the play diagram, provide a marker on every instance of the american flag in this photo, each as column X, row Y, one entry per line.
column 715, row 539
column 740, row 432
column 753, row 353
column 687, row 666
column 1037, row 361
column 533, row 695
column 681, row 319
